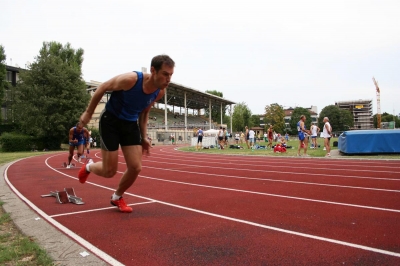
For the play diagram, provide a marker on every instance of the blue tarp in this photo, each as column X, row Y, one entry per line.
column 370, row 141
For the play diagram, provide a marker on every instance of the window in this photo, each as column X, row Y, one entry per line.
column 9, row 76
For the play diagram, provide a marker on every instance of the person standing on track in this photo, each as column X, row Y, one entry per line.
column 246, row 135
column 270, row 133
column 314, row 134
column 199, row 139
column 77, row 138
column 221, row 138
column 303, row 138
column 327, row 134
column 124, row 123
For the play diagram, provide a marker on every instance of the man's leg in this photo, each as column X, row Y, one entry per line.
column 71, row 153
column 305, row 145
column 133, row 158
column 298, row 150
column 327, row 146
column 80, row 151
column 108, row 166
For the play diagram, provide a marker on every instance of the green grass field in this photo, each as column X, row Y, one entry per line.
column 319, row 152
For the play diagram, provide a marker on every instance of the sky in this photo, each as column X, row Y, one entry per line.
column 294, row 53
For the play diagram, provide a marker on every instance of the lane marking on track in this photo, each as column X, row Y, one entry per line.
column 314, row 163
column 274, row 180
column 275, row 195
column 330, row 240
column 99, row 209
column 313, row 166
column 104, row 256
column 269, row 171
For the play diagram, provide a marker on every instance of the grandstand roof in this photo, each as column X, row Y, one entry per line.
column 194, row 99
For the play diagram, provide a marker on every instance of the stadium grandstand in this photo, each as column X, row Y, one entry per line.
column 178, row 114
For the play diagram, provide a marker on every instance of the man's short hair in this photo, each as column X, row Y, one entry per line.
column 158, row 61
column 302, row 116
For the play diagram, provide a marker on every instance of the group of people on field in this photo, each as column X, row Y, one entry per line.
column 304, row 133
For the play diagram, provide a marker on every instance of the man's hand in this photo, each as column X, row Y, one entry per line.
column 146, row 146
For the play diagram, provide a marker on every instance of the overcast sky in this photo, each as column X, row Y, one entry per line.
column 294, row 53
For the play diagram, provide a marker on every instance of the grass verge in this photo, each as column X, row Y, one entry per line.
column 16, row 248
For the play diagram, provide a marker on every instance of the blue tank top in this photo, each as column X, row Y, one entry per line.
column 127, row 105
column 298, row 127
column 77, row 135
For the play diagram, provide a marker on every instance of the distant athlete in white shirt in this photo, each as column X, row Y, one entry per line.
column 314, row 133
column 327, row 134
column 251, row 137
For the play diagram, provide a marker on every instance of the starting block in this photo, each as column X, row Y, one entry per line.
column 66, row 196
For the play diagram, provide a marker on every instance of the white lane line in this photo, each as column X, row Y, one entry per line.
column 273, row 180
column 99, row 209
column 330, row 240
column 270, row 171
column 104, row 256
column 274, row 195
column 286, row 165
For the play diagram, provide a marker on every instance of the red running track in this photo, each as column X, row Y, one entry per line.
column 202, row 209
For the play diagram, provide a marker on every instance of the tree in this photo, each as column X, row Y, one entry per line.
column 340, row 119
column 216, row 110
column 3, row 72
column 240, row 117
column 51, row 96
column 254, row 121
column 297, row 112
column 386, row 117
column 275, row 115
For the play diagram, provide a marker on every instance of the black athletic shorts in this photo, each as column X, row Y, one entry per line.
column 115, row 132
column 200, row 139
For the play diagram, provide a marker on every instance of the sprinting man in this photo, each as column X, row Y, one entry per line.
column 199, row 138
column 124, row 123
column 77, row 138
column 303, row 138
column 327, row 134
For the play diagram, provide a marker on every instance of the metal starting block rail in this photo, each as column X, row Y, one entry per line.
column 66, row 196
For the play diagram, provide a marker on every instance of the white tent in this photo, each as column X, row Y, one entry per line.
column 211, row 132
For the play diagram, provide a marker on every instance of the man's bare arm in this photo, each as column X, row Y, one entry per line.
column 120, row 82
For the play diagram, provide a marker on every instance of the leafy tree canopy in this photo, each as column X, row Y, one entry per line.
column 386, row 117
column 275, row 116
column 340, row 120
column 241, row 117
column 51, row 96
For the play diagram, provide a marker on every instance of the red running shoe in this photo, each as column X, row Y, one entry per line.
column 83, row 174
column 121, row 205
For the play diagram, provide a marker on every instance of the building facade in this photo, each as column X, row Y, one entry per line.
column 12, row 77
column 362, row 112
